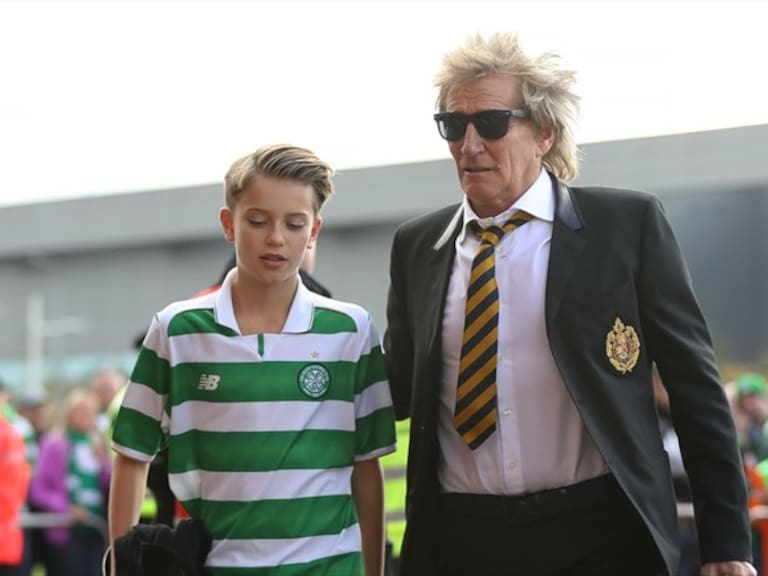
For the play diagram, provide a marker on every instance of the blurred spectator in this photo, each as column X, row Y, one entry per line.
column 104, row 385
column 748, row 395
column 751, row 404
column 26, row 430
column 72, row 477
column 757, row 476
column 14, row 472
column 33, row 408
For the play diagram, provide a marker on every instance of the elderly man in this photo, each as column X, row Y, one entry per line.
column 523, row 322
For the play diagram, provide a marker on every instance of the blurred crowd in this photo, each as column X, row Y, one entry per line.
column 55, row 465
column 748, row 398
column 749, row 401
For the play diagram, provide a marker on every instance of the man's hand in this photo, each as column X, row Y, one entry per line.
column 728, row 569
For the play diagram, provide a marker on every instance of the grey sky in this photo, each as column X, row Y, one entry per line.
column 104, row 97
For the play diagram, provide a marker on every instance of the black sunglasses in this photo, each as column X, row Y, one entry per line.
column 490, row 124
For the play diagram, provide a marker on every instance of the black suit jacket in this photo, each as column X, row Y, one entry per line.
column 613, row 255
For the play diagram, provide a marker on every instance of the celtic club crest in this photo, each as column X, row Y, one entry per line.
column 314, row 380
column 622, row 347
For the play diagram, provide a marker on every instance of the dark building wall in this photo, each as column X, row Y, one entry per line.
column 112, row 294
column 721, row 233
column 111, row 262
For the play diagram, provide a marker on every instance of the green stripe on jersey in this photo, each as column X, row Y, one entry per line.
column 257, row 382
column 370, row 369
column 138, row 431
column 152, row 371
column 259, row 451
column 327, row 321
column 342, row 565
column 375, row 431
column 200, row 321
column 267, row 519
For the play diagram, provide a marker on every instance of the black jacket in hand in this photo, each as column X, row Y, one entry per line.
column 157, row 550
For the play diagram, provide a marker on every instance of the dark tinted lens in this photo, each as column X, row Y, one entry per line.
column 452, row 126
column 491, row 124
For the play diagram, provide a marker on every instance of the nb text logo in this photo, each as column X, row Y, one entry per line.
column 209, row 382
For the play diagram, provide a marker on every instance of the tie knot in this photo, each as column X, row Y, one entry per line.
column 493, row 234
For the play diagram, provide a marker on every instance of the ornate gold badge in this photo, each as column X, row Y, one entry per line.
column 622, row 347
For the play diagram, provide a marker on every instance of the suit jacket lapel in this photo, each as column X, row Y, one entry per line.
column 566, row 247
column 439, row 268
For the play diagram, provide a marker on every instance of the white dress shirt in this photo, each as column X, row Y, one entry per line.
column 540, row 441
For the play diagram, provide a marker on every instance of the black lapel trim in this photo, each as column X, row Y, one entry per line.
column 440, row 266
column 567, row 245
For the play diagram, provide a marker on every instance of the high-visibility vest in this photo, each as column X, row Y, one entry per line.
column 394, row 466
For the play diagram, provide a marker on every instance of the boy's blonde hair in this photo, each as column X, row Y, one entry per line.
column 280, row 161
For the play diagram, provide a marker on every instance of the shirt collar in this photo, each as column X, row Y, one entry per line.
column 299, row 318
column 223, row 309
column 538, row 201
column 302, row 311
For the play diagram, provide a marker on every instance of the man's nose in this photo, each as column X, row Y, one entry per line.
column 473, row 142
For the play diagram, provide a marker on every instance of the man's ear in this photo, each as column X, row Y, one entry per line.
column 544, row 140
column 227, row 224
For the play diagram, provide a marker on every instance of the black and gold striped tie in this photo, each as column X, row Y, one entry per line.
column 475, row 413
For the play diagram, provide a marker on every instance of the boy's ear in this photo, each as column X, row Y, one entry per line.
column 227, row 224
column 316, row 226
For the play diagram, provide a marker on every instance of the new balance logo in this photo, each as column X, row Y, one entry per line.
column 209, row 382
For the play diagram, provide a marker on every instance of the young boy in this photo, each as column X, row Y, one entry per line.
column 272, row 400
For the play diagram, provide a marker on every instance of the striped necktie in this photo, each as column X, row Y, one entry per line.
column 475, row 414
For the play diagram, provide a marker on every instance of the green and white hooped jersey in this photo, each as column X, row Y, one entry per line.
column 263, row 429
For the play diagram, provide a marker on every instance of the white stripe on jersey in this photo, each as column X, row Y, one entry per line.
column 156, row 339
column 274, row 552
column 262, row 416
column 185, row 485
column 131, row 453
column 209, row 347
column 144, row 399
column 269, row 485
column 373, row 398
column 378, row 453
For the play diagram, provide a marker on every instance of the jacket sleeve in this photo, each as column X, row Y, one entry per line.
column 398, row 347
column 679, row 341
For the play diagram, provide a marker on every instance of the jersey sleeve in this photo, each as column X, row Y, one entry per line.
column 141, row 426
column 374, row 414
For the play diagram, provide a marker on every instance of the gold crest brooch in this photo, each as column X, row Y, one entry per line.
column 622, row 347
